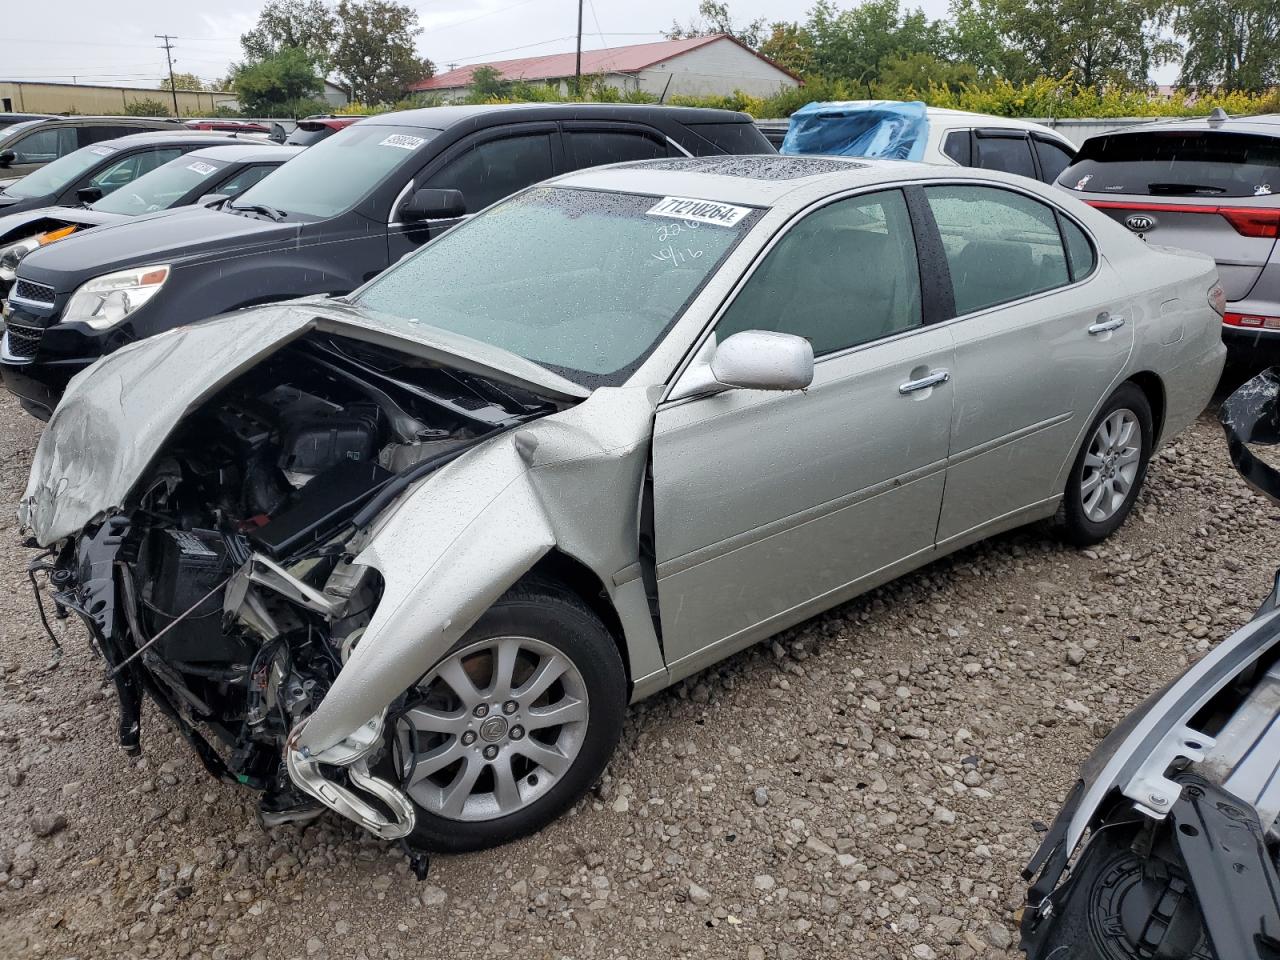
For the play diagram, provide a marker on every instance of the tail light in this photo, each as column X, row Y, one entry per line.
column 1218, row 299
column 1247, row 221
column 1251, row 321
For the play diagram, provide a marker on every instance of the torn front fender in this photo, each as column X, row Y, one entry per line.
column 459, row 540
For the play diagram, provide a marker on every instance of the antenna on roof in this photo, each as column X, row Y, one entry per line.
column 1218, row 115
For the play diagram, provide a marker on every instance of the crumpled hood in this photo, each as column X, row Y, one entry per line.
column 116, row 414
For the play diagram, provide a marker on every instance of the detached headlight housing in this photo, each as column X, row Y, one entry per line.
column 11, row 255
column 105, row 301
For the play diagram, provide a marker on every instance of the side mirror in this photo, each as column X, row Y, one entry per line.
column 213, row 199
column 432, row 203
column 87, row 195
column 751, row 360
column 7, row 158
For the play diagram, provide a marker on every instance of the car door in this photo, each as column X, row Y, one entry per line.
column 1043, row 329
column 770, row 506
column 485, row 167
column 1005, row 149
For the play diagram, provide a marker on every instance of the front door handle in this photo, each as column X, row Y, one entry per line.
column 1106, row 321
column 934, row 378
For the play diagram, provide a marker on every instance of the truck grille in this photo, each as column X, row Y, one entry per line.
column 21, row 343
column 32, row 292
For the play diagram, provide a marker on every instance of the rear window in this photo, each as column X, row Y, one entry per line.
column 304, row 135
column 1177, row 163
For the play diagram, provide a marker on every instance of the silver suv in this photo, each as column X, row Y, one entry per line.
column 1211, row 185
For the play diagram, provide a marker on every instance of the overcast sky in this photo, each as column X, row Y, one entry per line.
column 65, row 40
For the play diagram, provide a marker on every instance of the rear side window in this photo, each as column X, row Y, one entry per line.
column 737, row 138
column 1178, row 163
column 495, row 169
column 1010, row 154
column 957, row 147
column 846, row 274
column 1080, row 256
column 591, row 148
column 1000, row 245
column 1053, row 157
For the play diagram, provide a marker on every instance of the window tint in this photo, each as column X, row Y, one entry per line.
column 591, row 148
column 1178, row 163
column 1010, row 154
column 844, row 275
column 131, row 168
column 497, row 168
column 957, row 147
column 1053, row 159
column 245, row 179
column 1000, row 245
column 97, row 132
column 735, row 138
column 45, row 145
column 1080, row 255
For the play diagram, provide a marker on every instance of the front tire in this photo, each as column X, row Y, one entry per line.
column 513, row 725
column 1109, row 469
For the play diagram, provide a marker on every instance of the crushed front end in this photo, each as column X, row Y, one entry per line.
column 1169, row 844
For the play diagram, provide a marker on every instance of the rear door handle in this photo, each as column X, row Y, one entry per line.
column 1106, row 321
column 924, row 383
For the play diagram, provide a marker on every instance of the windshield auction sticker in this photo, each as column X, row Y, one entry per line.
column 700, row 211
column 102, row 151
column 403, row 141
column 204, row 169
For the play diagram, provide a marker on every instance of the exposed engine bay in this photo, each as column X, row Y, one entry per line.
column 226, row 587
column 1181, row 801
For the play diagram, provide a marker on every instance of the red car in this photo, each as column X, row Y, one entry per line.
column 311, row 130
column 230, row 126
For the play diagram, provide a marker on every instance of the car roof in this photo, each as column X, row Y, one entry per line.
column 245, row 153
column 990, row 120
column 766, row 180
column 1267, row 124
column 440, row 118
column 180, row 136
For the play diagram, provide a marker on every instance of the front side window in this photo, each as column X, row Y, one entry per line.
column 162, row 187
column 337, row 173
column 1000, row 245
column 45, row 146
column 55, row 177
column 489, row 171
column 1010, row 154
column 844, row 275
column 245, row 179
column 131, row 168
column 583, row 282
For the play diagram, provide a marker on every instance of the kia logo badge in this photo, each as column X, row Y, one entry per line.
column 1140, row 222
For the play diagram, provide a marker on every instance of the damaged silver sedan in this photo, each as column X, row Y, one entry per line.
column 1166, row 846
column 408, row 554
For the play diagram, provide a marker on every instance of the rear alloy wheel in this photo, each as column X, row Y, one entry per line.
column 1110, row 468
column 514, row 724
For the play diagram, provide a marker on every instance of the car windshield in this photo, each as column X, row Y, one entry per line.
column 583, row 282
column 161, row 188
column 337, row 173
column 57, row 176
column 1177, row 163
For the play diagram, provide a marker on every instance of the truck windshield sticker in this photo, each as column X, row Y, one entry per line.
column 403, row 141
column 700, row 211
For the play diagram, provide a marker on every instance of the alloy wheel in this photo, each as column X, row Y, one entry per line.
column 1111, row 465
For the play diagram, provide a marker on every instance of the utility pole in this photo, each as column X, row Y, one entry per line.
column 577, row 69
column 173, row 87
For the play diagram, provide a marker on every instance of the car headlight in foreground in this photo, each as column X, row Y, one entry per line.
column 105, row 301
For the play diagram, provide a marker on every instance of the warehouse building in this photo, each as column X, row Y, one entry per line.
column 86, row 99
column 697, row 66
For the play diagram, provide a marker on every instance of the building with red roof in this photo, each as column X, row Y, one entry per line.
column 716, row 64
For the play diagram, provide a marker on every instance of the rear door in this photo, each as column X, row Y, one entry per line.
column 1215, row 191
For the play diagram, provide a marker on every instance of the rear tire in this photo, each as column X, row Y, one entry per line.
column 499, row 726
column 1109, row 469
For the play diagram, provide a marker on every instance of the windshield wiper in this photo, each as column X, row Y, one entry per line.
column 271, row 213
column 1183, row 188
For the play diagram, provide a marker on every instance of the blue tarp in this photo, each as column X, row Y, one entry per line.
column 891, row 129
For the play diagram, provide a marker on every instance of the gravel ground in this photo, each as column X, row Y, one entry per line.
column 869, row 784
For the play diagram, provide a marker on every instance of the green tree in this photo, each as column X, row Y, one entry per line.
column 487, row 83
column 375, row 51
column 854, row 44
column 916, row 73
column 274, row 83
column 973, row 38
column 1234, row 46
column 714, row 18
column 1097, row 42
column 789, row 45
column 184, row 81
column 307, row 25
column 145, row 107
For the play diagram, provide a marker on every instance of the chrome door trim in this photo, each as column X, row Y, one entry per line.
column 1104, row 325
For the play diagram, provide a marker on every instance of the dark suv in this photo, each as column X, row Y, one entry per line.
column 28, row 146
column 323, row 223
